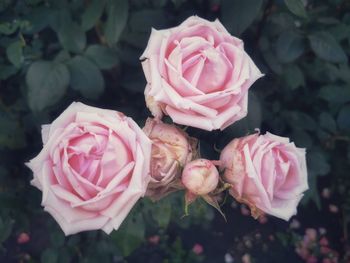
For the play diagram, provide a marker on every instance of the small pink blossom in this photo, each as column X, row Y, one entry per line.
column 197, row 249
column 154, row 240
column 23, row 238
column 333, row 209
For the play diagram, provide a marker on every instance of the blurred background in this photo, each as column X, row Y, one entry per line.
column 56, row 52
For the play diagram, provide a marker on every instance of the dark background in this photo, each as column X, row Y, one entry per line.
column 56, row 52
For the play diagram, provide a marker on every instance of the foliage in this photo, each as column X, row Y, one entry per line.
column 55, row 52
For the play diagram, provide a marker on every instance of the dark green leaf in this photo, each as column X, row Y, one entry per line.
column 6, row 225
column 47, row 83
column 343, row 119
column 296, row 7
column 86, row 77
column 155, row 19
column 289, row 46
column 317, row 163
column 92, row 14
column 7, row 71
column 57, row 238
column 8, row 28
column 237, row 15
column 104, row 57
column 327, row 122
column 335, row 94
column 327, row 48
column 14, row 53
column 11, row 133
column 130, row 235
column 49, row 256
column 294, row 77
column 72, row 37
column 162, row 212
column 117, row 15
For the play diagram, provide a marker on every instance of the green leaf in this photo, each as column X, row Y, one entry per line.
column 317, row 163
column 289, row 46
column 47, row 83
column 296, row 7
column 237, row 15
column 72, row 37
column 7, row 71
column 86, row 77
column 162, row 212
column 335, row 94
column 343, row 119
column 156, row 18
column 49, row 256
column 326, row 47
column 294, row 77
column 92, row 14
column 6, row 225
column 117, row 15
column 57, row 238
column 11, row 132
column 8, row 28
column 327, row 122
column 104, row 57
column 14, row 53
column 300, row 121
column 130, row 235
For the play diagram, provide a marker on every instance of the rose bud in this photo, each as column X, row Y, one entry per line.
column 200, row 177
column 198, row 74
column 23, row 238
column 267, row 172
column 93, row 168
column 172, row 148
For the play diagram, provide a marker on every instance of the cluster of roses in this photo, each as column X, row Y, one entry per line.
column 97, row 163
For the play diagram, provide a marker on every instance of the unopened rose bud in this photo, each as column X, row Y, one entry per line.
column 197, row 249
column 23, row 238
column 200, row 176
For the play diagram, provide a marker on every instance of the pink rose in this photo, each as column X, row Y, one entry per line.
column 172, row 148
column 198, row 74
column 200, row 177
column 93, row 168
column 267, row 172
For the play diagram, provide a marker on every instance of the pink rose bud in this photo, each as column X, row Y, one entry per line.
column 311, row 234
column 324, row 241
column 197, row 249
column 198, row 74
column 200, row 177
column 326, row 193
column 267, row 172
column 333, row 209
column 23, row 238
column 244, row 210
column 262, row 219
column 172, row 148
column 93, row 168
column 246, row 258
column 154, row 240
column 311, row 259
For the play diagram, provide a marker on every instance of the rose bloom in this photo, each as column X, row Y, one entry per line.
column 92, row 169
column 172, row 148
column 198, row 74
column 200, row 177
column 267, row 172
